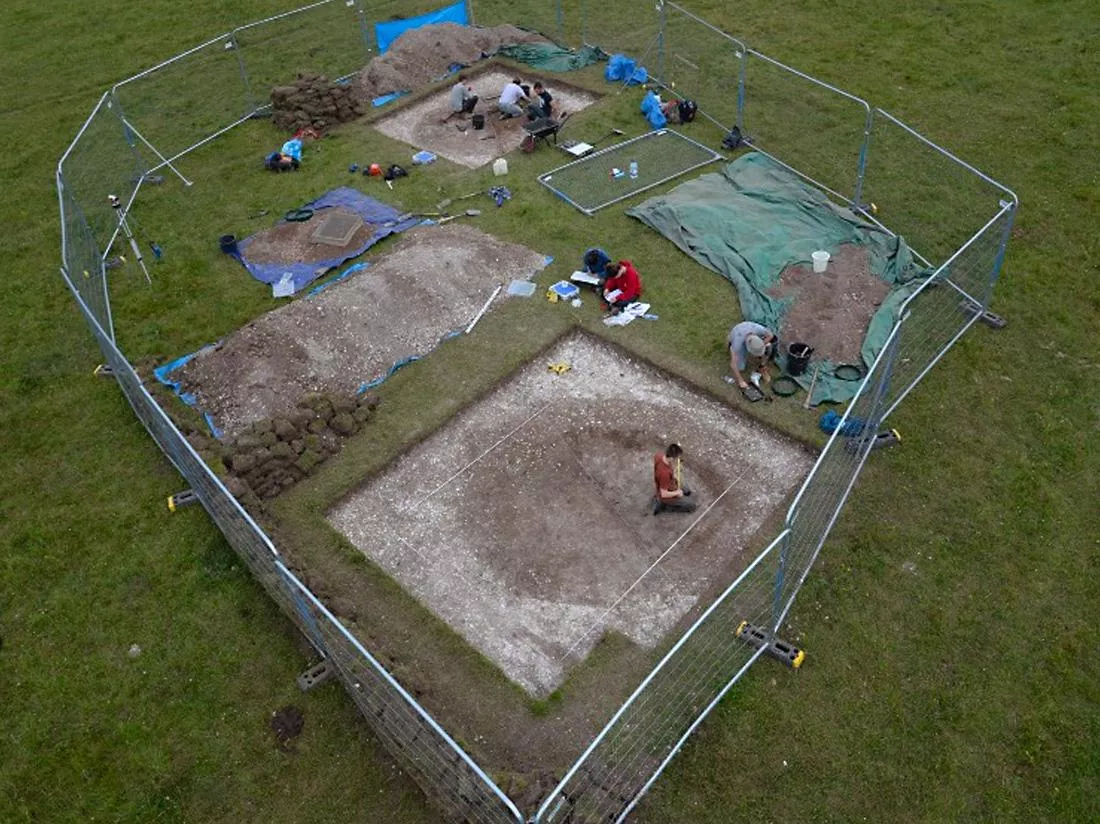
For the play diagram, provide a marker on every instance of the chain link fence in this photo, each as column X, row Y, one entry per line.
column 957, row 220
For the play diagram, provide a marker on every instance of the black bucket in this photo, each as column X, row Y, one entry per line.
column 228, row 244
column 478, row 121
column 798, row 358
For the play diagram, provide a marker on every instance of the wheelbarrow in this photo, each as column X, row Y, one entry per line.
column 542, row 128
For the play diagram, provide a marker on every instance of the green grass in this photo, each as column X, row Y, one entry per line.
column 965, row 690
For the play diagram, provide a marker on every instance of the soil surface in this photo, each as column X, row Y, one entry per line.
column 526, row 522
column 433, row 282
column 831, row 310
column 292, row 242
column 424, row 54
column 456, row 139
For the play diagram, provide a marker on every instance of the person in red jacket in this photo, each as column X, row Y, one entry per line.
column 622, row 287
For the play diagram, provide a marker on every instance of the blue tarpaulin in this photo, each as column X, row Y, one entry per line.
column 384, row 219
column 386, row 33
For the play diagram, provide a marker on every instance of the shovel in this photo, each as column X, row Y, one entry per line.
column 467, row 213
column 447, row 201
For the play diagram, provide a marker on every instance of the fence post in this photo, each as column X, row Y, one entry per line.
column 662, row 17
column 743, row 51
column 560, row 21
column 1002, row 248
column 780, row 578
column 864, row 149
column 236, row 46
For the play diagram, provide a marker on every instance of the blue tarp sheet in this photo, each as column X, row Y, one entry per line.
column 385, row 219
column 386, row 33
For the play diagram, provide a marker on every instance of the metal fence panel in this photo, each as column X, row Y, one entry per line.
column 941, row 311
column 702, row 63
column 328, row 38
column 812, row 127
column 180, row 103
column 824, row 492
column 445, row 773
column 650, row 728
column 923, row 192
column 99, row 163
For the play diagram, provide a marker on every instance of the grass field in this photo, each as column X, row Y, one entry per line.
column 950, row 623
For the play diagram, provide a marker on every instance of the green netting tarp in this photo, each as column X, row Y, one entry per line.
column 551, row 58
column 754, row 219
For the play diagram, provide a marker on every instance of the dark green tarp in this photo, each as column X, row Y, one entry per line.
column 754, row 219
column 551, row 58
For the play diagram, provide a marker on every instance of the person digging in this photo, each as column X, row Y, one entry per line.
column 751, row 346
column 671, row 495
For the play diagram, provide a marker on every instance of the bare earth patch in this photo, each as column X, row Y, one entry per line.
column 292, row 242
column 525, row 523
column 432, row 283
column 419, row 124
column 831, row 310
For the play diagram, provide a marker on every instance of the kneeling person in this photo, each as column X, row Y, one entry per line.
column 670, row 495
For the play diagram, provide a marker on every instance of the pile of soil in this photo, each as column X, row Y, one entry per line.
column 313, row 101
column 292, row 242
column 831, row 311
column 422, row 55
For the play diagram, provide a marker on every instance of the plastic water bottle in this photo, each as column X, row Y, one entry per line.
column 634, row 168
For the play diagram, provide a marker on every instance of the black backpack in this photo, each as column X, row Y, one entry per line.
column 394, row 172
column 686, row 110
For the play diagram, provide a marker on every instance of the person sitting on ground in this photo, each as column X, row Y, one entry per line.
column 279, row 162
column 510, row 98
column 670, row 493
column 751, row 346
column 595, row 262
column 462, row 99
column 622, row 287
column 541, row 103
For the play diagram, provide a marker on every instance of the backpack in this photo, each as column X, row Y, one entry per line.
column 686, row 110
column 394, row 172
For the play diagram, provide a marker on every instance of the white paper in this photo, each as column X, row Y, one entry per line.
column 585, row 277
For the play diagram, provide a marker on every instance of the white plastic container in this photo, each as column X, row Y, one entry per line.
column 821, row 261
column 500, row 167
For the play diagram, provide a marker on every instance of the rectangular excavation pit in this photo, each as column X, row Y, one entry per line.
column 421, row 124
column 525, row 523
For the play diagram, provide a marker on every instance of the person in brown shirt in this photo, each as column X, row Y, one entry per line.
column 670, row 495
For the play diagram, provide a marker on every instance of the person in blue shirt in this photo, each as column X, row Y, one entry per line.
column 595, row 261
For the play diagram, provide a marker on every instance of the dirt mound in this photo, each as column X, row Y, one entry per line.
column 831, row 311
column 313, row 101
column 292, row 242
column 425, row 54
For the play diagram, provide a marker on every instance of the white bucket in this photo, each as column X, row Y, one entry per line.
column 821, row 261
column 500, row 167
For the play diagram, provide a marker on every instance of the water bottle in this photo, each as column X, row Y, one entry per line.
column 634, row 168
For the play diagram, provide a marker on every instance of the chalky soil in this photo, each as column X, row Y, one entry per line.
column 526, row 524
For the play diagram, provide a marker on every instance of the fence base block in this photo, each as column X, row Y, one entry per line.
column 783, row 652
column 990, row 319
column 103, row 371
column 888, row 437
column 182, row 499
column 315, row 676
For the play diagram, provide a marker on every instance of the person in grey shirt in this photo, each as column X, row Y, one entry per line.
column 751, row 345
column 462, row 98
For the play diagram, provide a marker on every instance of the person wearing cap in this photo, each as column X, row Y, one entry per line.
column 670, row 495
column 751, row 345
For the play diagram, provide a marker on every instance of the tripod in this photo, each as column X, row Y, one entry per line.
column 124, row 225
